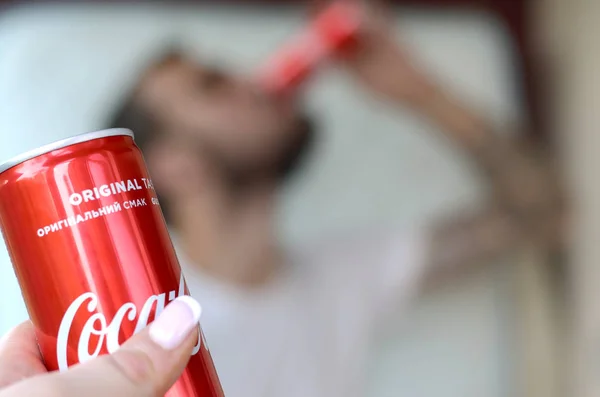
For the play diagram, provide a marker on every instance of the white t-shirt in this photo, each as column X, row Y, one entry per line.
column 308, row 333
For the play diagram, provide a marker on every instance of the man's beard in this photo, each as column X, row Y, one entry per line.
column 274, row 169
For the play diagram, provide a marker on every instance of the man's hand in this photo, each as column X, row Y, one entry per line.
column 383, row 64
column 146, row 365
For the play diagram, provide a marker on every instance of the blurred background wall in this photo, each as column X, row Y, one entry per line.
column 63, row 67
column 570, row 32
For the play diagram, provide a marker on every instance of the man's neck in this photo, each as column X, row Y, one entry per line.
column 232, row 240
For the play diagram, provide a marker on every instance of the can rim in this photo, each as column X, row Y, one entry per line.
column 86, row 136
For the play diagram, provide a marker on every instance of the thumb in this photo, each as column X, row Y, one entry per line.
column 147, row 365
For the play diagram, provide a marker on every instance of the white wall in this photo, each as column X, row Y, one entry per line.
column 572, row 30
column 374, row 165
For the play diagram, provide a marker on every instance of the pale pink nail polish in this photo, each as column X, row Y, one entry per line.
column 175, row 322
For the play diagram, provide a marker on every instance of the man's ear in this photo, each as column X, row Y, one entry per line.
column 172, row 57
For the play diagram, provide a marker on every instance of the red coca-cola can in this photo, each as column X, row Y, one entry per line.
column 91, row 251
column 335, row 30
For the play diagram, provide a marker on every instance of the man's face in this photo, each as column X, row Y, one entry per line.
column 222, row 116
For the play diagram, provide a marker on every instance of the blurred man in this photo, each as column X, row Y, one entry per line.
column 299, row 322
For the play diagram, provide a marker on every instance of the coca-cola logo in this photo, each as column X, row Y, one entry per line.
column 108, row 332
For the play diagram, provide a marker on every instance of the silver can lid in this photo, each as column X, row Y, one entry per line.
column 88, row 136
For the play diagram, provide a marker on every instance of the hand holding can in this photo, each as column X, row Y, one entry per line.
column 93, row 256
column 362, row 35
column 148, row 364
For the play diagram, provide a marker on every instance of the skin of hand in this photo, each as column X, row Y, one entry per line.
column 147, row 365
column 380, row 62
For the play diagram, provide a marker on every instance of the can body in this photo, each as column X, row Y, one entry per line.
column 92, row 253
column 334, row 31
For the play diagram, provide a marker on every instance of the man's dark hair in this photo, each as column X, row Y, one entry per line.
column 133, row 115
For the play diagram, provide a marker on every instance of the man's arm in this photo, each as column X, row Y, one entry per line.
column 525, row 205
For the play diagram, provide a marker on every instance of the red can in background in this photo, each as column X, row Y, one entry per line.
column 92, row 252
column 335, row 30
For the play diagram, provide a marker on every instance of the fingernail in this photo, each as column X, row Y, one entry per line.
column 175, row 322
